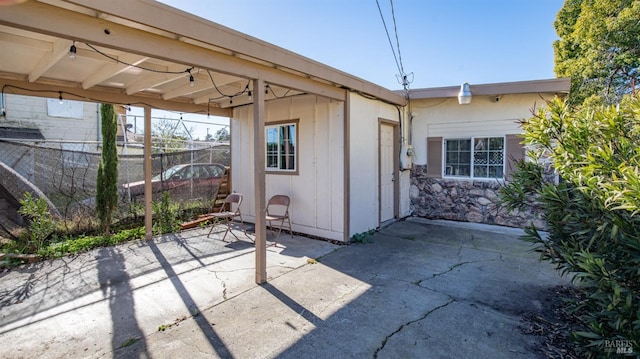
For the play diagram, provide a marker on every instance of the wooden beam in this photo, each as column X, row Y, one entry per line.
column 52, row 88
column 156, row 79
column 60, row 49
column 25, row 41
column 112, row 69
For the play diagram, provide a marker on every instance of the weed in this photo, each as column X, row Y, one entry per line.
column 363, row 237
column 129, row 342
column 164, row 327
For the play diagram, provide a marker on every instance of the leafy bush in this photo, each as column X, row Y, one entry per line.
column 165, row 215
column 41, row 223
column 592, row 214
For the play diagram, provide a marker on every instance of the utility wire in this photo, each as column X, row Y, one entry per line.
column 389, row 37
column 395, row 29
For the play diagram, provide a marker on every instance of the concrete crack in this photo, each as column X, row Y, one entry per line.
column 224, row 285
column 434, row 275
column 386, row 339
column 473, row 242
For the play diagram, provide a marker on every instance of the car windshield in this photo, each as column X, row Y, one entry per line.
column 168, row 173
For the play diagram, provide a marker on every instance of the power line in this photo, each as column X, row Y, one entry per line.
column 403, row 78
column 395, row 29
column 389, row 37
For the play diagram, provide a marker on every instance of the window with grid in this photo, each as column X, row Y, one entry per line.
column 458, row 157
column 483, row 159
column 281, row 147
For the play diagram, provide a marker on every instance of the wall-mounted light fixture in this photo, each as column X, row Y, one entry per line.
column 464, row 96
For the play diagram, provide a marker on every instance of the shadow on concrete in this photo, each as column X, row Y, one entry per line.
column 214, row 339
column 114, row 283
column 50, row 284
column 292, row 304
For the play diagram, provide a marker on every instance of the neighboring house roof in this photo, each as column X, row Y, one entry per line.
column 20, row 133
column 559, row 86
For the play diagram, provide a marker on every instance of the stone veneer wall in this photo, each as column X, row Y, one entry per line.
column 465, row 200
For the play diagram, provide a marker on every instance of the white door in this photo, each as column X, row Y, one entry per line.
column 387, row 172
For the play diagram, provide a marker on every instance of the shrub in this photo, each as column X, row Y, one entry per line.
column 592, row 214
column 165, row 215
column 41, row 223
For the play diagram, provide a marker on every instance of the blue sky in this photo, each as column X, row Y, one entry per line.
column 443, row 43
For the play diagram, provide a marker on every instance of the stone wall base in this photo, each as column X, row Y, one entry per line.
column 465, row 200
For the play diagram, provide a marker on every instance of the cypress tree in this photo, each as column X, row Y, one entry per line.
column 107, row 180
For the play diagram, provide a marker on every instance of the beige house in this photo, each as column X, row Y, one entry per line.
column 463, row 153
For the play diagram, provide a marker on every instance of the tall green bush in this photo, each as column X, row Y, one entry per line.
column 107, row 179
column 593, row 213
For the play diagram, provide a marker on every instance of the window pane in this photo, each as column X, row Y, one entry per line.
column 457, row 158
column 272, row 147
column 281, row 151
column 465, row 157
column 488, row 157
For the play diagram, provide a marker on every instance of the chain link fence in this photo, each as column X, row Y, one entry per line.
column 66, row 172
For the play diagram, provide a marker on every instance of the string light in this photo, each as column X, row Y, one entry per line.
column 90, row 99
column 192, row 81
column 72, row 51
column 249, row 94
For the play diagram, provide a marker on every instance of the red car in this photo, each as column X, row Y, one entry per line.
column 197, row 180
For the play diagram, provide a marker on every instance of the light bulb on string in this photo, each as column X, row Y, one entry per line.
column 72, row 51
column 192, row 81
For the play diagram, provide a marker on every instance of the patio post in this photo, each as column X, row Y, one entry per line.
column 259, row 178
column 148, row 224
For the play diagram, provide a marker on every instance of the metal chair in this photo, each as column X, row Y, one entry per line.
column 278, row 211
column 228, row 212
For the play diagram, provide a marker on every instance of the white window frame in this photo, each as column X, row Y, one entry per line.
column 472, row 151
column 279, row 155
column 67, row 109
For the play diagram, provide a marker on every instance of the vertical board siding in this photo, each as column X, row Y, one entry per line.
column 364, row 119
column 317, row 206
